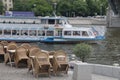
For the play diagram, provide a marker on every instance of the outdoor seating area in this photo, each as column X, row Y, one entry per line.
column 38, row 61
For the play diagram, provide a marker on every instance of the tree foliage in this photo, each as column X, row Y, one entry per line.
column 82, row 51
column 1, row 7
column 63, row 7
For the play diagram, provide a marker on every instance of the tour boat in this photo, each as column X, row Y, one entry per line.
column 50, row 30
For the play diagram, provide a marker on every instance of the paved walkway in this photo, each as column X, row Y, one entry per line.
column 12, row 73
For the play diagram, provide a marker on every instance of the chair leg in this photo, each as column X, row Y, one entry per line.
column 35, row 74
column 10, row 61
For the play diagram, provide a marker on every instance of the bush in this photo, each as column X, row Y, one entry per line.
column 82, row 51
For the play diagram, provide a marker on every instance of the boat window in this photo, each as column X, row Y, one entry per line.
column 43, row 21
column 17, row 32
column 41, row 33
column 90, row 33
column 84, row 33
column 24, row 32
column 67, row 33
column 0, row 32
column 7, row 32
column 58, row 21
column 14, row 32
column 32, row 32
column 76, row 33
column 51, row 21
column 50, row 33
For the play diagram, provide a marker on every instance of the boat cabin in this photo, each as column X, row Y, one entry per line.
column 78, row 33
column 55, row 21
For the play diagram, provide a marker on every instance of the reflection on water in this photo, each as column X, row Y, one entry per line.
column 105, row 52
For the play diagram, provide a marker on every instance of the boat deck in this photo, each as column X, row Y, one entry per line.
column 12, row 73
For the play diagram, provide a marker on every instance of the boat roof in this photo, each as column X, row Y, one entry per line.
column 47, row 17
column 24, row 26
column 78, row 28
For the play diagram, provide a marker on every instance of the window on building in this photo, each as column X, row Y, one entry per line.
column 9, row 0
column 10, row 5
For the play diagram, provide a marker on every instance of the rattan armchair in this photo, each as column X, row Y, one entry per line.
column 9, row 56
column 2, row 53
column 4, row 43
column 60, row 64
column 51, row 54
column 33, row 53
column 42, row 64
column 27, row 47
column 21, row 57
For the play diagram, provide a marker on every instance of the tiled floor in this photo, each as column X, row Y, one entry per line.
column 12, row 73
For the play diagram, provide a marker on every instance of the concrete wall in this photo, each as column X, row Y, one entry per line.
column 77, row 21
column 106, row 70
column 87, row 21
column 112, row 19
column 82, row 69
column 114, row 22
column 19, row 20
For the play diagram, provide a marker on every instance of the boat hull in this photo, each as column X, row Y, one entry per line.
column 54, row 40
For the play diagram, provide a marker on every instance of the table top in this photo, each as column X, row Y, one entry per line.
column 5, row 46
column 12, row 51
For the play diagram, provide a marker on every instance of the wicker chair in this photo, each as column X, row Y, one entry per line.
column 2, row 51
column 51, row 53
column 4, row 43
column 27, row 47
column 60, row 63
column 33, row 53
column 41, row 64
column 21, row 57
column 9, row 56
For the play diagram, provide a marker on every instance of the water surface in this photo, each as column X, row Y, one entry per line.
column 105, row 52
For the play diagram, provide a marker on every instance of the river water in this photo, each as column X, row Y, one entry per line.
column 104, row 52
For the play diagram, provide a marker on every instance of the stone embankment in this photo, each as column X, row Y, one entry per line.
column 87, row 21
column 72, row 20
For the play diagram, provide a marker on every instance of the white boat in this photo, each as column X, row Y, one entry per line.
column 51, row 29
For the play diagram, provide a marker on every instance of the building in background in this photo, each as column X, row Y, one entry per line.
column 19, row 14
column 8, row 4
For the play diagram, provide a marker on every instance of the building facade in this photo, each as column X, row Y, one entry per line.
column 8, row 4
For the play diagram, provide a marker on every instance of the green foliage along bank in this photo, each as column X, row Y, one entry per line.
column 1, row 7
column 82, row 51
column 68, row 8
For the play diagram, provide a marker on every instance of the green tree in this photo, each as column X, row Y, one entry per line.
column 21, row 5
column 1, row 7
column 40, row 7
column 64, row 8
column 80, row 8
column 82, row 51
